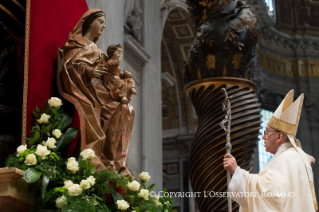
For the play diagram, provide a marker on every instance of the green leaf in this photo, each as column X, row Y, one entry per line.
column 54, row 111
column 36, row 136
column 80, row 158
column 87, row 173
column 60, row 189
column 92, row 168
column 47, row 128
column 31, row 175
column 59, row 125
column 84, row 163
column 33, row 131
column 116, row 196
column 36, row 115
column 151, row 186
column 45, row 182
column 39, row 159
column 129, row 197
column 69, row 134
column 46, row 105
column 68, row 117
column 137, row 209
column 31, row 142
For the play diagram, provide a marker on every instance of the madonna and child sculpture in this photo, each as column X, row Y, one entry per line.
column 94, row 84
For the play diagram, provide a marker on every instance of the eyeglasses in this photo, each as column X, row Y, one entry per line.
column 267, row 131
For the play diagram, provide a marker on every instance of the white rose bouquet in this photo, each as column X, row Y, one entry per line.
column 70, row 184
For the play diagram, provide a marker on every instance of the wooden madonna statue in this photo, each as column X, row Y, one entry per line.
column 94, row 84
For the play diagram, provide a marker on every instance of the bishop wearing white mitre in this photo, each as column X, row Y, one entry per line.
column 285, row 184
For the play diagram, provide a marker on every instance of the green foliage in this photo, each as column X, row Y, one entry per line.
column 45, row 182
column 12, row 161
column 67, row 118
column 84, row 204
column 31, row 175
column 67, row 136
column 51, row 175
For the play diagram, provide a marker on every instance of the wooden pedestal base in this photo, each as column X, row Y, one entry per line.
column 14, row 194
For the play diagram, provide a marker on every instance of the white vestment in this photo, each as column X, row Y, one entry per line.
column 281, row 186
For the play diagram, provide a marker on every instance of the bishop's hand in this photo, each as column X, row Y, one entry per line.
column 230, row 163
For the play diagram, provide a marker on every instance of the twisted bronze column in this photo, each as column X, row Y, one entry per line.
column 227, row 35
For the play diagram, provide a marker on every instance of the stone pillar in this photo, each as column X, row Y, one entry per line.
column 151, row 131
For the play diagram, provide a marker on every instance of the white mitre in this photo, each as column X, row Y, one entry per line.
column 286, row 119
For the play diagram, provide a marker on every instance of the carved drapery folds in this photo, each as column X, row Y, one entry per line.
column 226, row 41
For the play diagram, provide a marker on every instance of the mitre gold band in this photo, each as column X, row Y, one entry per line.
column 282, row 126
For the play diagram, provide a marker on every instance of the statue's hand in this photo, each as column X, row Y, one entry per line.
column 98, row 71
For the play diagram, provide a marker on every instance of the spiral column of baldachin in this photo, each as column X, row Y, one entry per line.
column 206, row 170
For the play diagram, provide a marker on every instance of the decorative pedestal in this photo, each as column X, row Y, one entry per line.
column 14, row 194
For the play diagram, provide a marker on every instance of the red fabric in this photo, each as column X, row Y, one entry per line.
column 51, row 21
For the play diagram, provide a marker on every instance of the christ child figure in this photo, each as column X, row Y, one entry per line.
column 120, row 85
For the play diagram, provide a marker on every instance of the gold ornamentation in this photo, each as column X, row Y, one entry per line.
column 210, row 61
column 26, row 71
column 290, row 68
column 237, row 61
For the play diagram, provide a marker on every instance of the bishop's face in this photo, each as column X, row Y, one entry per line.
column 97, row 26
column 270, row 137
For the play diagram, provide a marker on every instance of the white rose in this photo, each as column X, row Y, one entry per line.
column 160, row 204
column 91, row 180
column 85, row 184
column 30, row 160
column 88, row 154
column 57, row 133
column 55, row 102
column 61, row 201
column 67, row 183
column 72, row 165
column 144, row 176
column 42, row 151
column 144, row 193
column 44, row 118
column 50, row 143
column 21, row 149
column 75, row 190
column 155, row 200
column 134, row 185
column 122, row 205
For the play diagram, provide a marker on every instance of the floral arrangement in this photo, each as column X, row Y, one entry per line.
column 70, row 184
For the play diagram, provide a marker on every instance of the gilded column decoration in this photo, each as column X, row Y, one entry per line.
column 26, row 68
column 226, row 41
